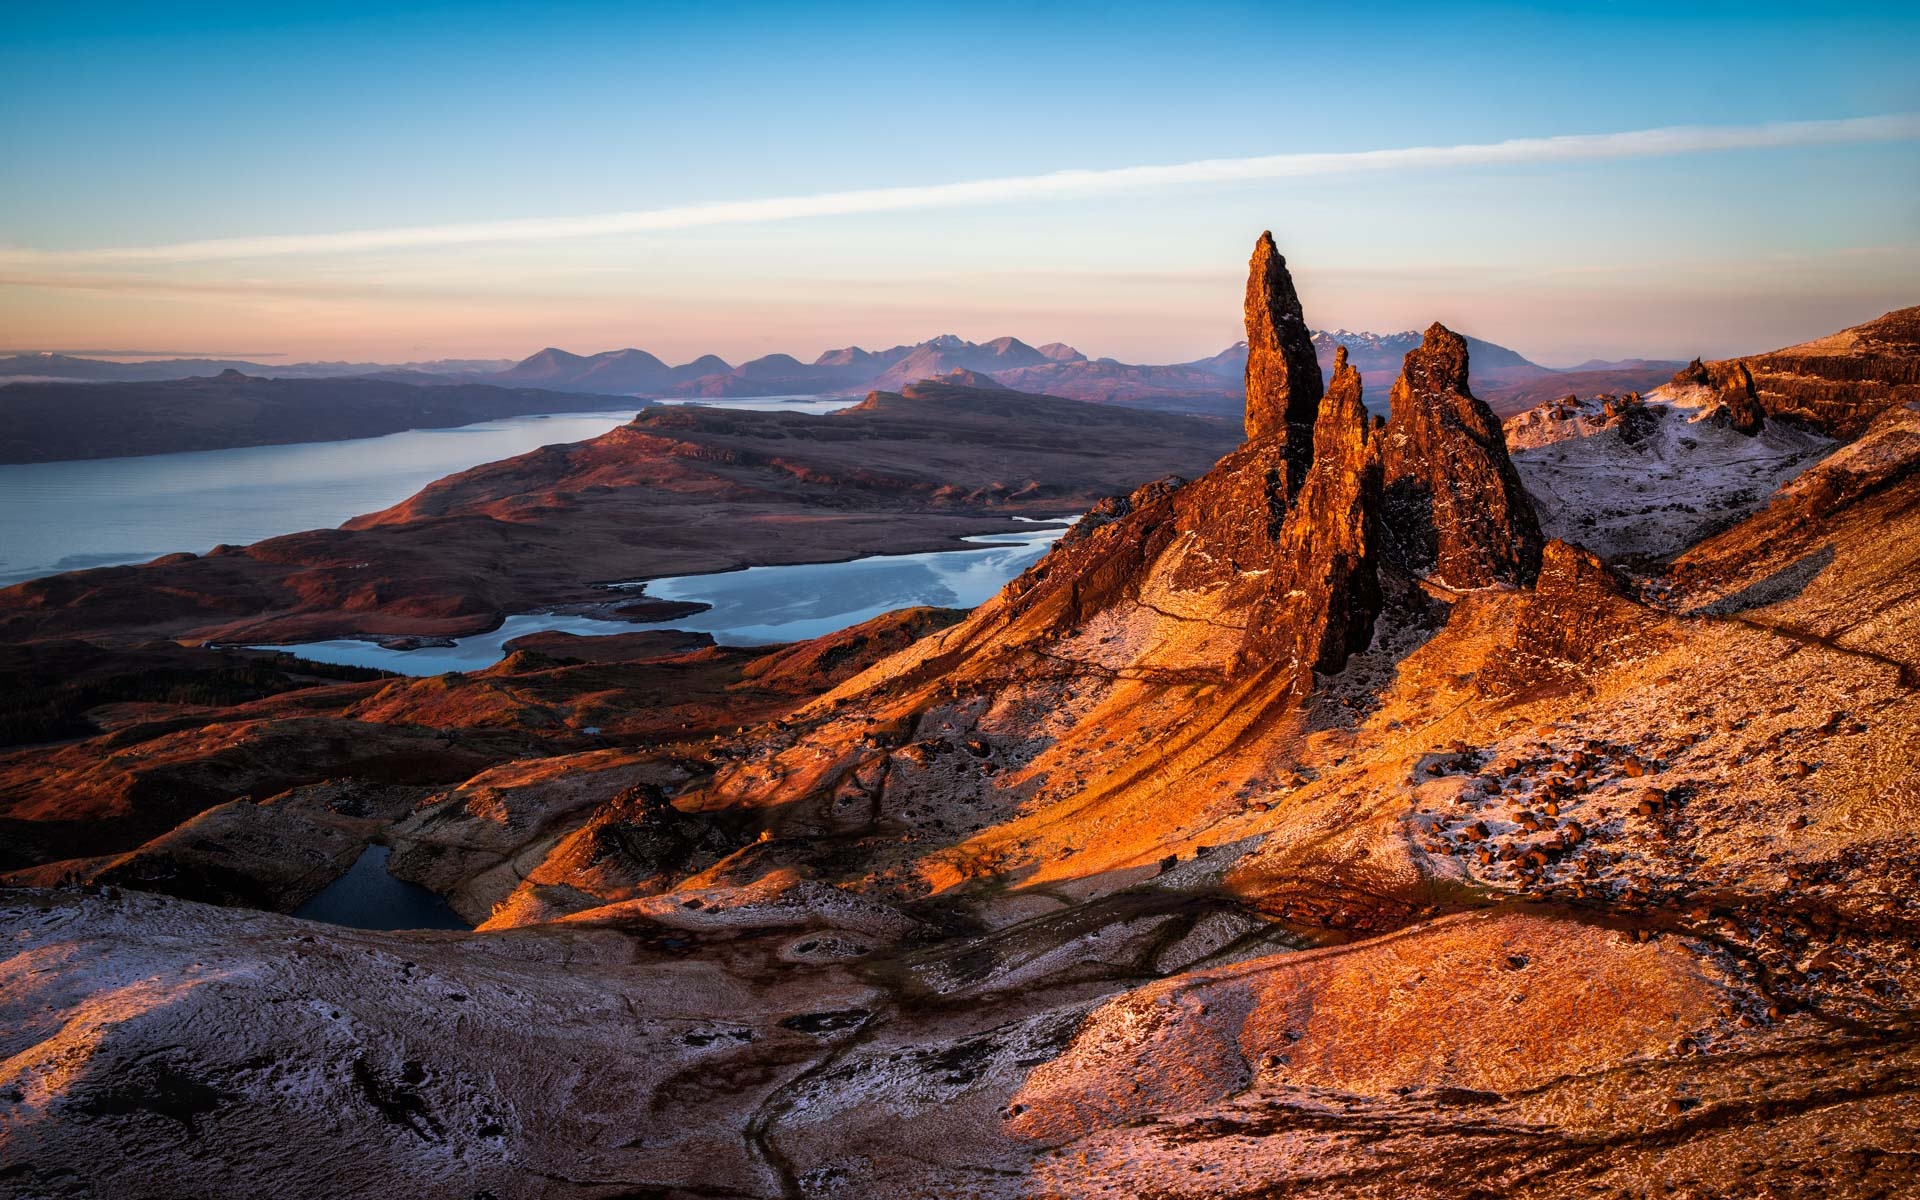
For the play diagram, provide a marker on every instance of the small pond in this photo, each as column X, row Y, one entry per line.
column 368, row 897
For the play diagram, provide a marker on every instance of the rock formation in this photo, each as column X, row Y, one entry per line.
column 1603, row 886
column 1579, row 618
column 1327, row 590
column 1836, row 384
column 1839, row 383
column 1737, row 398
column 1631, row 478
column 1694, row 374
column 1283, row 375
column 1455, row 509
column 1293, row 566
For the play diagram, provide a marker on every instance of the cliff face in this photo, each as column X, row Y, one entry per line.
column 1283, row 375
column 1837, row 383
column 1455, row 508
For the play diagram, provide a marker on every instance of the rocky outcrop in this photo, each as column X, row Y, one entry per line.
column 633, row 845
column 1631, row 479
column 1572, row 417
column 1266, row 543
column 1694, row 374
column 1112, row 508
column 1292, row 566
column 1578, row 619
column 1454, row 507
column 1283, row 376
column 1328, row 588
column 1737, row 399
column 1836, row 384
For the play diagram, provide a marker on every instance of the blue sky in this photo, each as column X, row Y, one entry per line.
column 156, row 125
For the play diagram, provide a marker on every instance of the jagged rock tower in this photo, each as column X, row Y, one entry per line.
column 1283, row 375
column 1455, row 510
column 1274, row 566
column 1202, row 616
column 1326, row 587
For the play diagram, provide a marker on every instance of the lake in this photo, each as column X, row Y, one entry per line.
column 66, row 516
column 367, row 897
column 757, row 606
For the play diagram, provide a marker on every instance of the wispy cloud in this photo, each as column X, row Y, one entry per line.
column 1641, row 143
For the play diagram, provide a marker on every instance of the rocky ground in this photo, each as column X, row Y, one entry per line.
column 1641, row 479
column 1341, row 823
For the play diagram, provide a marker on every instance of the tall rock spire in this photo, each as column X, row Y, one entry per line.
column 1455, row 509
column 1326, row 587
column 1283, row 376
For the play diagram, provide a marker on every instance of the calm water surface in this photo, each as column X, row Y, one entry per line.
column 366, row 897
column 751, row 607
column 66, row 516
column 804, row 404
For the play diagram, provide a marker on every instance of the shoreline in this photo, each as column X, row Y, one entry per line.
column 606, row 610
column 586, row 523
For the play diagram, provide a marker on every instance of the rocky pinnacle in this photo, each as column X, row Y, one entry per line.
column 1738, row 397
column 1283, row 376
column 1327, row 589
column 1455, row 509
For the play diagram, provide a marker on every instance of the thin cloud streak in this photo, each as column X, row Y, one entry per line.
column 1642, row 143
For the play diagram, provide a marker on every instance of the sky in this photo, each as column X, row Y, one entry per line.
column 409, row 182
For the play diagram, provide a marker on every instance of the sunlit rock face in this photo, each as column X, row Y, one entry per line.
column 1738, row 399
column 1724, row 388
column 1327, row 590
column 1455, row 507
column 1837, row 384
column 1283, row 375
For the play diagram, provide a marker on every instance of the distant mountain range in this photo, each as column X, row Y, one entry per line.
column 850, row 369
column 614, row 372
column 1209, row 385
column 1215, row 383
